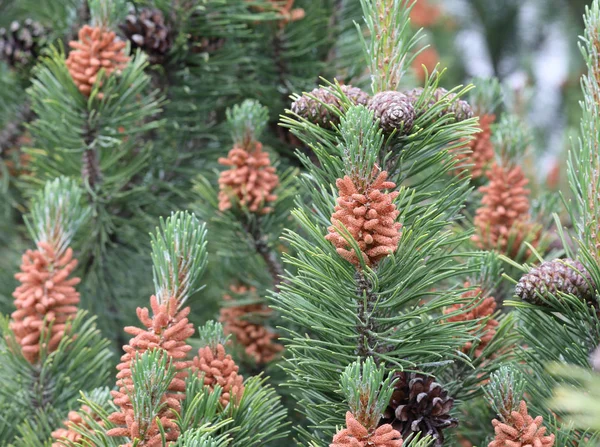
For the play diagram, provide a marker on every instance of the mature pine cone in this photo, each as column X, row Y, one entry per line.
column 419, row 404
column 461, row 108
column 148, row 31
column 21, row 43
column 315, row 112
column 394, row 110
column 559, row 275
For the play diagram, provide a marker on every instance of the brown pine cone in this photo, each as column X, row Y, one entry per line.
column 315, row 112
column 21, row 43
column 419, row 404
column 394, row 110
column 148, row 31
column 560, row 275
column 461, row 108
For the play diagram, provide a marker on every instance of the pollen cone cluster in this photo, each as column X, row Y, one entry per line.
column 96, row 49
column 521, row 430
column 250, row 179
column 356, row 435
column 45, row 300
column 369, row 215
column 482, row 149
column 219, row 368
column 258, row 341
column 168, row 330
column 504, row 212
column 423, row 14
column 484, row 308
column 68, row 435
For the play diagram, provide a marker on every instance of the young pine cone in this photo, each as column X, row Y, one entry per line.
column 461, row 108
column 356, row 435
column 560, row 275
column 20, row 44
column 394, row 111
column 315, row 112
column 258, row 341
column 251, row 179
column 369, row 215
column 68, row 436
column 219, row 368
column 46, row 296
column 96, row 49
column 484, row 308
column 419, row 404
column 148, row 31
column 521, row 430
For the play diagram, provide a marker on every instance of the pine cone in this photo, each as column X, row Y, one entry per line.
column 419, row 404
column 357, row 435
column 258, row 341
column 394, row 111
column 46, row 296
column 148, row 31
column 484, row 308
column 315, row 112
column 521, row 430
column 559, row 275
column 369, row 215
column 219, row 368
column 22, row 42
column 461, row 108
column 96, row 49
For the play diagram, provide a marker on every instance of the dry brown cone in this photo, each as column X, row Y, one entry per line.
column 424, row 14
column 218, row 368
column 67, row 436
column 356, row 435
column 521, row 430
column 369, row 216
column 429, row 58
column 481, row 147
column 45, row 300
column 251, row 179
column 504, row 212
column 485, row 308
column 168, row 330
column 96, row 49
column 258, row 341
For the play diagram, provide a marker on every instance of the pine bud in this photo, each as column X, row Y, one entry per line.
column 394, row 111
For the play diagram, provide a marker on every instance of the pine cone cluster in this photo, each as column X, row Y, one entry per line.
column 560, row 275
column 521, row 430
column 68, row 436
column 21, row 43
column 394, row 111
column 482, row 149
column 148, row 32
column 46, row 296
column 218, row 368
column 504, row 212
column 250, row 180
column 419, row 404
column 460, row 108
column 369, row 215
column 96, row 49
column 357, row 435
column 314, row 110
column 168, row 330
column 258, row 341
column 484, row 308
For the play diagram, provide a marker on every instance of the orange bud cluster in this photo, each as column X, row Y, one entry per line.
column 356, row 435
column 484, row 308
column 167, row 330
column 251, row 179
column 46, row 300
column 68, row 435
column 429, row 58
column 423, row 14
column 288, row 12
column 369, row 216
column 258, row 341
column 219, row 368
column 96, row 49
column 482, row 149
column 521, row 430
column 504, row 214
